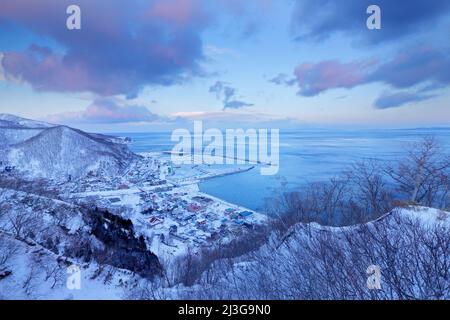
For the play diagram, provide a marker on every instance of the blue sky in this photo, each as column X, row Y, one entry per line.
column 151, row 65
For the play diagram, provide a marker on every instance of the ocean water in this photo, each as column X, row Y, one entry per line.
column 305, row 156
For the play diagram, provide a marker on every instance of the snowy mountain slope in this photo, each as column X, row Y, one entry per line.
column 307, row 262
column 33, row 272
column 9, row 120
column 10, row 136
column 15, row 129
column 40, row 237
column 410, row 247
column 59, row 152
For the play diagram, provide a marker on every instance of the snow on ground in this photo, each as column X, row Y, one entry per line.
column 14, row 121
column 10, row 136
column 310, row 261
column 50, row 154
column 38, row 274
column 428, row 216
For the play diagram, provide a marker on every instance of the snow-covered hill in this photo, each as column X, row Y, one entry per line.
column 15, row 129
column 9, row 120
column 41, row 237
column 410, row 247
column 42, row 150
column 12, row 135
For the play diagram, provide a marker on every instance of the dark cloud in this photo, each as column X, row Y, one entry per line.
column 121, row 47
column 414, row 66
column 320, row 19
column 394, row 100
column 422, row 69
column 226, row 93
column 106, row 110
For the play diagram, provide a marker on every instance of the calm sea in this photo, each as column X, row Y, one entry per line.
column 305, row 156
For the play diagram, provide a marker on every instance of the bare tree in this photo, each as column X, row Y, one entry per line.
column 8, row 250
column 53, row 273
column 420, row 174
column 20, row 222
column 369, row 187
column 30, row 281
column 148, row 290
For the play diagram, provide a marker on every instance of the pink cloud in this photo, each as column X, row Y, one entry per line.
column 118, row 50
column 39, row 65
column 313, row 79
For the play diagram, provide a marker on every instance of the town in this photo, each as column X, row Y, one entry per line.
column 165, row 205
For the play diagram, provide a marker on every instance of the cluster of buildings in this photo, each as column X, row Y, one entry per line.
column 172, row 216
column 193, row 219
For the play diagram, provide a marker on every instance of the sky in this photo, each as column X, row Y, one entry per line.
column 156, row 65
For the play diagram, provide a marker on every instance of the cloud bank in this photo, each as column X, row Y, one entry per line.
column 121, row 47
column 106, row 110
column 418, row 66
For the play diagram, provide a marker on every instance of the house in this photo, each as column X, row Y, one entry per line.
column 173, row 229
column 234, row 216
column 193, row 207
column 245, row 214
column 202, row 199
column 155, row 221
column 201, row 222
column 248, row 225
column 229, row 211
column 123, row 187
column 188, row 217
column 114, row 200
